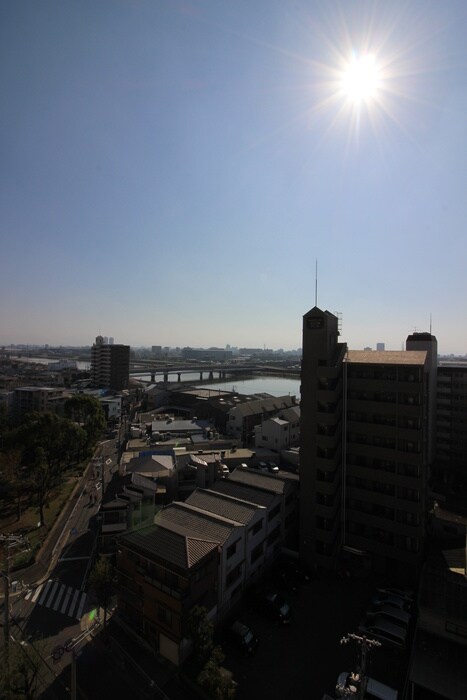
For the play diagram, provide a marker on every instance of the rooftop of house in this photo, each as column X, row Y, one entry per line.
column 195, row 522
column 178, row 425
column 243, row 492
column 291, row 414
column 271, row 403
column 387, row 357
column 151, row 465
column 223, row 505
column 170, row 544
column 259, row 480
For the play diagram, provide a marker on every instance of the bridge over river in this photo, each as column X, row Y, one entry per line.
column 210, row 371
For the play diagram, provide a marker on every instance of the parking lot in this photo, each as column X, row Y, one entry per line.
column 304, row 658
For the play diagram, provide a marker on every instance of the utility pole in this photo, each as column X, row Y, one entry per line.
column 358, row 680
column 73, row 675
column 8, row 542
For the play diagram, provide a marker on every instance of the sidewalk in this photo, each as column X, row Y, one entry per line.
column 45, row 558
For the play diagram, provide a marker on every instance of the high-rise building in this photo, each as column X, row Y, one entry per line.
column 364, row 452
column 380, row 346
column 451, row 425
column 110, row 365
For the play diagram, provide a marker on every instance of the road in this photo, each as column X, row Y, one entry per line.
column 61, row 608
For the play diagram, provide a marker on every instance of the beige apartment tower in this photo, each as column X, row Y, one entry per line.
column 110, row 365
column 364, row 453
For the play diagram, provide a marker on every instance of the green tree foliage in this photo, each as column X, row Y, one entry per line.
column 4, row 426
column 87, row 412
column 60, row 438
column 44, row 477
column 13, row 481
column 201, row 632
column 216, row 681
column 22, row 675
column 102, row 580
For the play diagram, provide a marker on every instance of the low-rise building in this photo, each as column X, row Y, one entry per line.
column 242, row 521
column 244, row 417
column 163, row 572
column 279, row 432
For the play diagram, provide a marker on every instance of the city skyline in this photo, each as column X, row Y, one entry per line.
column 174, row 171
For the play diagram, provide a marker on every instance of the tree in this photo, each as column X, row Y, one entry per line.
column 60, row 438
column 13, row 477
column 86, row 411
column 44, row 477
column 201, row 632
column 216, row 681
column 20, row 677
column 75, row 441
column 102, row 580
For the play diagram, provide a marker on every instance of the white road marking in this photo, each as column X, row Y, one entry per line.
column 73, row 603
column 52, row 594
column 44, row 592
column 59, row 597
column 67, row 599
column 81, row 606
column 36, row 593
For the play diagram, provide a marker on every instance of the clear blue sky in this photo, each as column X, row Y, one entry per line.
column 171, row 170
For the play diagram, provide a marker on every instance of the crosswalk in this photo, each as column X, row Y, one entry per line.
column 59, row 597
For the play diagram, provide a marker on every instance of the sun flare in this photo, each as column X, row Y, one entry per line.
column 361, row 79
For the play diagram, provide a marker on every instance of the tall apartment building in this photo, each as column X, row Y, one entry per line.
column 364, row 452
column 110, row 365
column 451, row 425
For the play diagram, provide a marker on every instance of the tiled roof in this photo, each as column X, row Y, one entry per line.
column 291, row 414
column 273, row 403
column 387, row 357
column 258, row 479
column 195, row 522
column 223, row 505
column 279, row 421
column 169, row 543
column 151, row 464
column 245, row 493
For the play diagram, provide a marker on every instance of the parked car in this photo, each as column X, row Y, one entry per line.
column 374, row 690
column 388, row 633
column 276, row 607
column 407, row 595
column 388, row 612
column 242, row 637
column 393, row 600
column 263, row 467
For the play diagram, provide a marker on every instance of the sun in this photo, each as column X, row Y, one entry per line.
column 361, row 79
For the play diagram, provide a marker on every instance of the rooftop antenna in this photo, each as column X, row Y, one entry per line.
column 316, row 282
column 430, row 322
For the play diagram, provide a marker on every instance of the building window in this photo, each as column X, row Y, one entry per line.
column 234, row 575
column 256, row 553
column 232, row 549
column 164, row 615
column 256, row 528
column 274, row 512
column 274, row 535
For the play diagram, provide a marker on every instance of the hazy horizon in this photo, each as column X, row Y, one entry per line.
column 171, row 172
